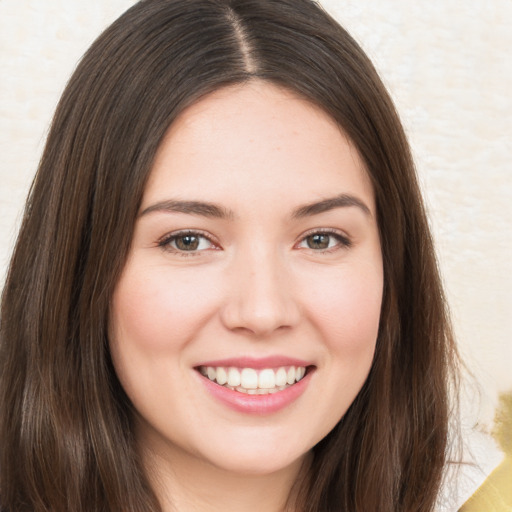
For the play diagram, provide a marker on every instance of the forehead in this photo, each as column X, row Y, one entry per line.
column 242, row 137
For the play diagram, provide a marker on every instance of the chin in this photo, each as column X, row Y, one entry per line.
column 255, row 454
column 258, row 464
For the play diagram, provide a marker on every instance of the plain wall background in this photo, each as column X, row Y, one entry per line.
column 448, row 66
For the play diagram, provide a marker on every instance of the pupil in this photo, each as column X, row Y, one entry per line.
column 187, row 242
column 318, row 241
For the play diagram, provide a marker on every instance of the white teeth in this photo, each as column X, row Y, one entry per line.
column 267, row 379
column 251, row 381
column 222, row 376
column 233, row 377
column 249, row 378
column 211, row 372
column 281, row 377
column 257, row 391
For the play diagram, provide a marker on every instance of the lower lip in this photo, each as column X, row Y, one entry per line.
column 256, row 404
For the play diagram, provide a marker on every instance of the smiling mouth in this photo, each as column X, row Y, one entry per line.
column 254, row 382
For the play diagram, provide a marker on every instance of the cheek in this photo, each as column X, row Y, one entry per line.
column 154, row 317
column 348, row 311
column 155, row 312
column 345, row 313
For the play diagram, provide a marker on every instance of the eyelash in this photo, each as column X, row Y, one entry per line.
column 343, row 241
column 166, row 241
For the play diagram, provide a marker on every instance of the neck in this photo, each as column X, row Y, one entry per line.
column 184, row 483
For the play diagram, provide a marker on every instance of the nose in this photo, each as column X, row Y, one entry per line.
column 261, row 297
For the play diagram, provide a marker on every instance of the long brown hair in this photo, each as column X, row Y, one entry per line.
column 66, row 437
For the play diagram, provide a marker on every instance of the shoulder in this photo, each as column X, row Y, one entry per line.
column 495, row 494
column 474, row 457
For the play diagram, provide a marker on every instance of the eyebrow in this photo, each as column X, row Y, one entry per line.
column 212, row 210
column 202, row 208
column 325, row 205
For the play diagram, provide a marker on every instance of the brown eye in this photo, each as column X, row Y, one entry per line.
column 186, row 242
column 324, row 241
column 319, row 241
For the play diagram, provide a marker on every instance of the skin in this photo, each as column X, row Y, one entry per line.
column 253, row 287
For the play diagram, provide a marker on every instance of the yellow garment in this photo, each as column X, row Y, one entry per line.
column 495, row 494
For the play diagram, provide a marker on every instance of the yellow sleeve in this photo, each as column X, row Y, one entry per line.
column 495, row 494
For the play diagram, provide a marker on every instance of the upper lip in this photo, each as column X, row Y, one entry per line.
column 257, row 362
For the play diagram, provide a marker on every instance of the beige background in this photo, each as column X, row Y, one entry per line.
column 448, row 65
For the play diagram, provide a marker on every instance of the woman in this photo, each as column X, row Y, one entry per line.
column 224, row 293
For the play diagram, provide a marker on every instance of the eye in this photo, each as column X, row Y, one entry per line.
column 324, row 241
column 186, row 242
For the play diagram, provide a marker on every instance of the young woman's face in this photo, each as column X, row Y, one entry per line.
column 255, row 259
